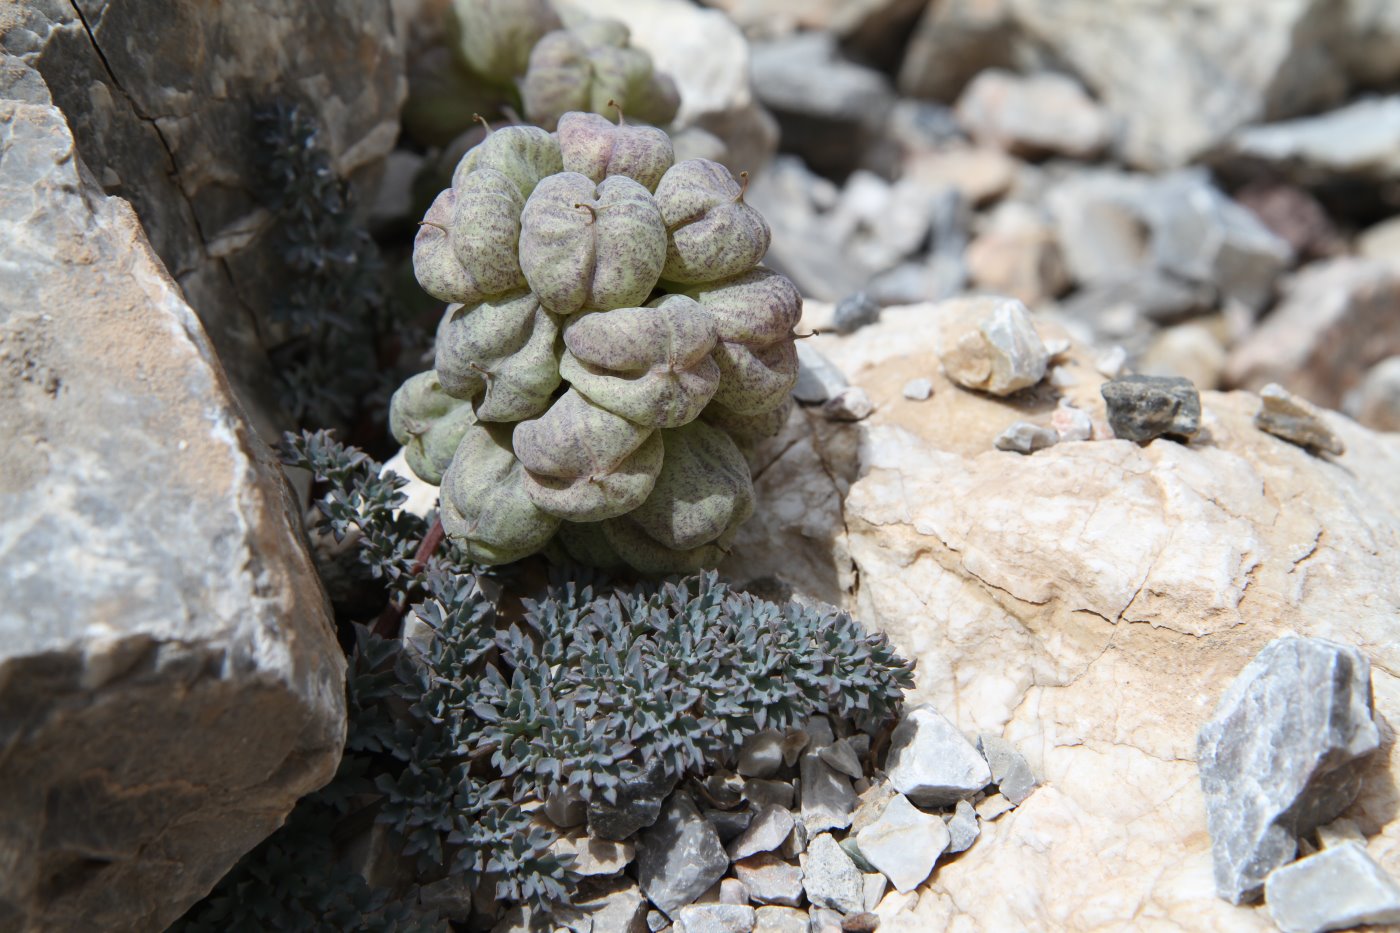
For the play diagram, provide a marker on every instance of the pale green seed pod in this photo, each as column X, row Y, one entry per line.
column 586, row 543
column 485, row 231
column 586, row 245
column 559, row 79
column 660, row 103
column 485, row 508
column 712, row 233
column 643, row 553
column 755, row 381
column 703, row 491
column 501, row 354
column 749, row 429
column 620, row 75
column 758, row 308
column 494, row 37
column 650, row 365
column 435, row 262
column 429, row 423
column 594, row 146
column 585, row 463
column 524, row 154
column 602, row 32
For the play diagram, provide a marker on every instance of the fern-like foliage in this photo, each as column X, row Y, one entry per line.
column 462, row 727
column 332, row 307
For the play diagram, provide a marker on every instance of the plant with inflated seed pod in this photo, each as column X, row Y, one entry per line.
column 613, row 337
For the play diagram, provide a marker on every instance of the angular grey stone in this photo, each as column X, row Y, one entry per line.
column 592, row 856
column 876, row 885
column 1296, row 420
column 796, row 843
column 931, row 762
column 904, row 843
column 1032, row 116
column 824, row 920
column 827, row 796
column 819, row 734
column 615, row 907
column 733, row 891
column 863, row 922
column 818, row 379
column 1358, row 141
column 1339, row 831
column 566, row 809
column 161, row 98
column 830, row 878
column 770, row 879
column 852, row 848
column 1010, row 771
column 715, row 918
column 656, row 921
column 724, row 789
column 766, row 833
column 1376, row 402
column 1141, row 408
column 992, row 806
column 761, row 755
column 1336, row 889
column 918, row 390
column 1280, row 755
column 963, row 828
column 760, row 793
column 854, row 312
column 871, row 803
column 729, row 823
column 679, row 857
column 850, row 404
column 1023, row 437
column 170, row 681
column 993, row 347
column 841, row 756
column 637, row 806
column 780, row 920
column 1200, row 235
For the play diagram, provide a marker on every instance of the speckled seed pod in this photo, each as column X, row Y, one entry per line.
column 755, row 381
column 594, row 146
column 485, row 231
column 494, row 37
column 586, row 245
column 503, row 355
column 748, row 429
column 435, row 263
column 621, row 75
column 587, row 543
column 754, row 313
column 584, row 463
column 712, row 233
column 635, row 548
column 557, row 80
column 650, row 365
column 524, row 154
column 703, row 491
column 429, row 423
column 485, row 508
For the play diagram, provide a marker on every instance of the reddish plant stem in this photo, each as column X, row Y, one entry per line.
column 388, row 623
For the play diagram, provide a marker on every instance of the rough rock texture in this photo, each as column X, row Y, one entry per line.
column 830, row 878
column 1294, row 419
column 1358, row 141
column 1336, row 889
column 991, row 345
column 680, row 856
column 1143, row 407
column 161, row 96
column 904, row 843
column 1282, row 756
column 1040, row 115
column 169, row 680
column 1088, row 604
column 931, row 762
column 1334, row 319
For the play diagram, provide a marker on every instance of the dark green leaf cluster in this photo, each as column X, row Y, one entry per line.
column 332, row 308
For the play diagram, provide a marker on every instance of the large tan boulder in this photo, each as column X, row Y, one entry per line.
column 170, row 682
column 1090, row 603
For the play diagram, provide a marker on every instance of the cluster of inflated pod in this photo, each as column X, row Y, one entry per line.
column 612, row 336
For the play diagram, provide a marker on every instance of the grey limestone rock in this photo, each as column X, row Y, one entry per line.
column 770, row 879
column 904, row 843
column 1010, row 772
column 931, row 762
column 679, row 857
column 761, row 755
column 818, row 379
column 1280, row 755
column 762, row 793
column 170, row 681
column 876, row 885
column 841, row 756
column 993, row 347
column 1336, row 889
column 830, row 878
column 780, row 920
column 767, row 831
column 854, row 312
column 715, row 918
column 729, row 823
column 1141, row 408
column 161, row 97
column 1023, row 437
column 1296, row 420
column 615, row 907
column 963, row 828
column 827, row 795
column 637, row 806
column 850, row 404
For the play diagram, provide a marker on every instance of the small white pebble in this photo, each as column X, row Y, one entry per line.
column 850, row 404
column 1062, row 378
column 918, row 390
column 1111, row 362
column 1057, row 347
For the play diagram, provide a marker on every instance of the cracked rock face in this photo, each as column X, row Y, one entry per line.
column 160, row 95
column 170, row 682
column 1087, row 604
